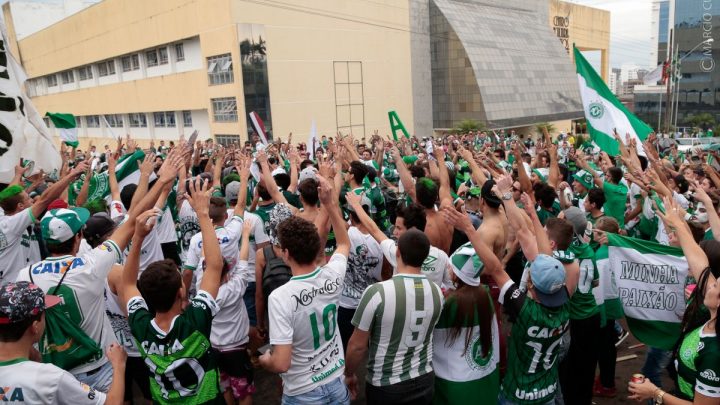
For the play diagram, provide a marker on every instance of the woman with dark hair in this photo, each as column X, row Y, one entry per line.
column 466, row 340
column 698, row 356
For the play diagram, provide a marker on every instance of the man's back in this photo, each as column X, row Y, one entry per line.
column 400, row 315
column 439, row 233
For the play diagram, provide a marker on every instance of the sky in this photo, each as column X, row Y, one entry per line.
column 629, row 30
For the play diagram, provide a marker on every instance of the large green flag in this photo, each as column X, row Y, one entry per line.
column 126, row 171
column 67, row 127
column 604, row 112
column 651, row 286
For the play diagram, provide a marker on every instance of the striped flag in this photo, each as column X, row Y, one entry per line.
column 127, row 172
column 604, row 113
column 67, row 127
column 258, row 126
column 651, row 286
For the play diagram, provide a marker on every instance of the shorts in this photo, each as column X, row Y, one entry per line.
column 236, row 372
column 136, row 370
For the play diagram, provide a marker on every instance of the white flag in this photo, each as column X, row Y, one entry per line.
column 654, row 76
column 23, row 133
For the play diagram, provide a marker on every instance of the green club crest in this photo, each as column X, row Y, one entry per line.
column 596, row 110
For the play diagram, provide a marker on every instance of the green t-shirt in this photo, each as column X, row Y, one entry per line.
column 615, row 198
column 183, row 367
column 582, row 302
column 532, row 376
column 699, row 365
column 553, row 212
column 377, row 208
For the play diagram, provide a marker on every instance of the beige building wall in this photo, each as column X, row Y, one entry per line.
column 302, row 44
column 586, row 27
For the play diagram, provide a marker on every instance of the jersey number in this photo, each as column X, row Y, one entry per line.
column 586, row 276
column 417, row 329
column 192, row 375
column 329, row 324
column 547, row 361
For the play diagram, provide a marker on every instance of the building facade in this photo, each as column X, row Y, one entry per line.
column 161, row 69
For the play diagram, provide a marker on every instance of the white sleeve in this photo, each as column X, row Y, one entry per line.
column 281, row 329
column 135, row 303
column 100, row 260
column 193, row 255
column 259, row 232
column 235, row 227
column 72, row 391
column 389, row 249
column 15, row 225
column 338, row 264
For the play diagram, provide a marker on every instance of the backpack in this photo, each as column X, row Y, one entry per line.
column 64, row 343
column 276, row 272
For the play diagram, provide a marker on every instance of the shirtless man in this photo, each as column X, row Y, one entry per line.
column 427, row 192
column 493, row 229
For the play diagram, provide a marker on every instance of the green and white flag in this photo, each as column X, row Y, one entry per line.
column 127, row 172
column 67, row 127
column 604, row 112
column 651, row 286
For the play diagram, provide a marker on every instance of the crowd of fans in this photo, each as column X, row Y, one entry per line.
column 463, row 268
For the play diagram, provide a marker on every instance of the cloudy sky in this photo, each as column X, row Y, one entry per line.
column 629, row 30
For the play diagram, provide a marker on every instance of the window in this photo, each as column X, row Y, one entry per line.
column 349, row 97
column 137, row 120
column 159, row 119
column 227, row 140
column 256, row 90
column 179, row 52
column 93, row 121
column 78, row 122
column 187, row 118
column 152, row 58
column 106, row 68
column 67, row 76
column 51, row 80
column 130, row 63
column 114, row 120
column 85, row 72
column 170, row 119
column 163, row 55
column 224, row 109
column 220, row 69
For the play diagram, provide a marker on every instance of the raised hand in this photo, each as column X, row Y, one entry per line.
column 146, row 221
column 199, row 197
column 325, row 191
column 171, row 167
column 457, row 219
column 146, row 166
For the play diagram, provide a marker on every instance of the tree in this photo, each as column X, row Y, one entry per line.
column 469, row 125
column 702, row 120
column 544, row 125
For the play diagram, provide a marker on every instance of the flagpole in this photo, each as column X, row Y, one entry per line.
column 659, row 111
column 667, row 90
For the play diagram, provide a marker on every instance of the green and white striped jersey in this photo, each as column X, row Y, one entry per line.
column 400, row 315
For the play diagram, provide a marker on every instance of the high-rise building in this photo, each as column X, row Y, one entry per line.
column 614, row 81
column 659, row 25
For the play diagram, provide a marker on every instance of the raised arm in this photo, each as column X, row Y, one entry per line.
column 146, row 168
column 328, row 198
column 554, row 173
column 54, row 191
column 81, row 198
column 248, row 225
column 112, row 178
column 404, row 173
column 142, row 226
column 444, row 193
column 199, row 200
column 269, row 181
column 243, row 168
column 478, row 176
column 713, row 218
column 354, row 201
column 294, row 163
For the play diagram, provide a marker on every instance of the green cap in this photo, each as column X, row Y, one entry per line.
column 62, row 224
column 584, row 178
column 10, row 191
column 541, row 173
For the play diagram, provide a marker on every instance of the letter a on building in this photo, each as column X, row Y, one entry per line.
column 396, row 124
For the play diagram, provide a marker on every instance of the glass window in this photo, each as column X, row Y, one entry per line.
column 187, row 118
column 67, row 76
column 93, row 121
column 78, row 122
column 85, row 72
column 51, row 80
column 163, row 53
column 170, row 119
column 106, row 68
column 159, row 119
column 220, row 69
column 179, row 52
column 137, row 120
column 151, row 57
column 130, row 63
column 227, row 140
column 253, row 59
column 114, row 120
column 224, row 109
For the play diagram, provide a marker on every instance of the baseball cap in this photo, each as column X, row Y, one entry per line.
column 474, row 192
column 232, row 190
column 309, row 172
column 548, row 278
column 278, row 214
column 542, row 173
column 22, row 300
column 466, row 265
column 577, row 218
column 584, row 178
column 61, row 224
column 97, row 226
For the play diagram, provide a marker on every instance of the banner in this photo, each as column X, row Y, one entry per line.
column 127, row 172
column 259, row 126
column 23, row 133
column 651, row 286
column 396, row 124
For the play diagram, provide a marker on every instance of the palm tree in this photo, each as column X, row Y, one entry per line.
column 544, row 125
column 702, row 120
column 470, row 125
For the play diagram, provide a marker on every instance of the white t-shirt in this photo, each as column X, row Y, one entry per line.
column 364, row 267
column 231, row 324
column 435, row 267
column 188, row 226
column 229, row 239
column 30, row 382
column 18, row 247
column 82, row 291
column 166, row 227
column 119, row 322
column 303, row 313
column 257, row 236
column 151, row 250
